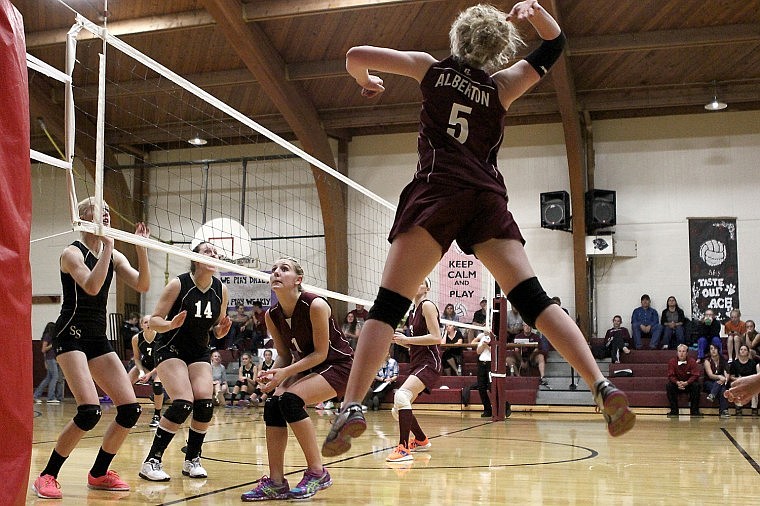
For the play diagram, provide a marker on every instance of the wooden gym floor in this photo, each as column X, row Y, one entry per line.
column 532, row 458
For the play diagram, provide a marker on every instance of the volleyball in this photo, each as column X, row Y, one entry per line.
column 712, row 252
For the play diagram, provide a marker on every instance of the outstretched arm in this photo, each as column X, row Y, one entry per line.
column 361, row 59
column 520, row 77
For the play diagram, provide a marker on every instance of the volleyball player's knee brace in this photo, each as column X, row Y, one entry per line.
column 179, row 411
column 87, row 417
column 272, row 413
column 402, row 399
column 128, row 414
column 530, row 300
column 389, row 307
column 203, row 410
column 158, row 388
column 292, row 409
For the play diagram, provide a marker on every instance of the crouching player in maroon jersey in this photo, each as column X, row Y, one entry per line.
column 465, row 99
column 312, row 365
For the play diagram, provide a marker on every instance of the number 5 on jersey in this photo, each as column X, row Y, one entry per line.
column 456, row 118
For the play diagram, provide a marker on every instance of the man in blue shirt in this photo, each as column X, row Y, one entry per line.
column 646, row 321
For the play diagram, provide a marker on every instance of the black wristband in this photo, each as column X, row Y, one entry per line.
column 544, row 56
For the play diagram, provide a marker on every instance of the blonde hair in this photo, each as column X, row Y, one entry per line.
column 86, row 204
column 481, row 36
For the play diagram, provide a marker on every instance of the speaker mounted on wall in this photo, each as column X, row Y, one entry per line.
column 555, row 210
column 600, row 209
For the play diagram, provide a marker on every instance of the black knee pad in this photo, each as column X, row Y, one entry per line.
column 530, row 299
column 88, row 416
column 272, row 414
column 128, row 414
column 389, row 307
column 291, row 407
column 158, row 388
column 179, row 411
column 203, row 410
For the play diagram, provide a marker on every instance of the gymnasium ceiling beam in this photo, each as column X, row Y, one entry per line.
column 260, row 10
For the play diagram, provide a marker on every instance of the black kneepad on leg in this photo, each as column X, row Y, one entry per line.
column 530, row 299
column 203, row 410
column 158, row 388
column 179, row 411
column 88, row 416
column 292, row 408
column 272, row 414
column 389, row 307
column 128, row 414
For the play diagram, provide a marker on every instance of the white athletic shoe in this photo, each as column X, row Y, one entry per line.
column 152, row 470
column 194, row 469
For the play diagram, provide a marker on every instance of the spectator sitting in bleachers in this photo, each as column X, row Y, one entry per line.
column 672, row 321
column 739, row 368
column 219, row 377
column 351, row 329
column 452, row 357
column 533, row 357
column 716, row 379
column 236, row 338
column 617, row 339
column 735, row 329
column 514, row 323
column 708, row 331
column 387, row 375
column 646, row 322
column 683, row 378
column 246, row 383
column 478, row 318
column 752, row 339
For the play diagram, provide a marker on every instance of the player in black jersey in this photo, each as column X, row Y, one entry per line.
column 464, row 102
column 189, row 307
column 84, row 353
column 144, row 370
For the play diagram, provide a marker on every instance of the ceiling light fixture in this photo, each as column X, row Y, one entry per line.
column 715, row 104
column 197, row 141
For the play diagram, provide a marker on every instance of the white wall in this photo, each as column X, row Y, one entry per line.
column 663, row 169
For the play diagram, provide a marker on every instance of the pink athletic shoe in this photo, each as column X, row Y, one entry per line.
column 109, row 481
column 47, row 487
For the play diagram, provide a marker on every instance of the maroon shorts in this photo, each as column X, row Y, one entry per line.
column 428, row 375
column 469, row 216
column 336, row 374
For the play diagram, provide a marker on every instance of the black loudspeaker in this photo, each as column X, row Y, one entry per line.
column 600, row 209
column 555, row 210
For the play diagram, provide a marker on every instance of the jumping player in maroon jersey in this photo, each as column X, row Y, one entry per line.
column 425, row 363
column 312, row 365
column 464, row 103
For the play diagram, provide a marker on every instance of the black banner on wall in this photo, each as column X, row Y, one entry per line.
column 714, row 266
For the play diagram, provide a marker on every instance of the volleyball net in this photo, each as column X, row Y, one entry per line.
column 161, row 150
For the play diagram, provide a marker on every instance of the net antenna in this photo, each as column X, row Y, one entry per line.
column 247, row 190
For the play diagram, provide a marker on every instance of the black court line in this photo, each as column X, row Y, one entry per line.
column 744, row 453
column 592, row 454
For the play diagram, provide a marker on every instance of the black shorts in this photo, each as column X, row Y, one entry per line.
column 439, row 209
column 187, row 356
column 91, row 349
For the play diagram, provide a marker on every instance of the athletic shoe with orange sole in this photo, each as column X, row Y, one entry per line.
column 613, row 404
column 419, row 446
column 400, row 454
column 47, row 487
column 109, row 481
